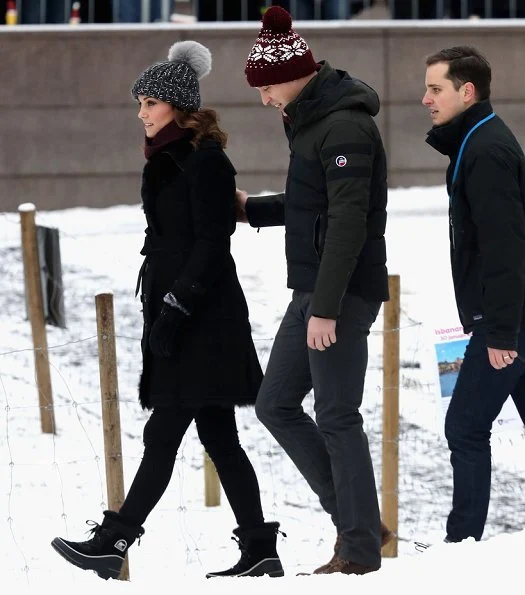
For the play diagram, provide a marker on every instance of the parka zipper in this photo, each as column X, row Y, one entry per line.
column 317, row 235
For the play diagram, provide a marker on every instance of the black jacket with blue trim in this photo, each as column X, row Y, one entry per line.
column 487, row 223
column 334, row 205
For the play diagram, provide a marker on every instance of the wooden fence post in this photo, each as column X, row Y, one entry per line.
column 390, row 469
column 35, row 309
column 110, row 406
column 212, row 485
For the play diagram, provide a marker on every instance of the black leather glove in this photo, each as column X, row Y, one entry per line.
column 164, row 331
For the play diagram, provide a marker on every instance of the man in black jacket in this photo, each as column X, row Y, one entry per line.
column 334, row 212
column 486, row 187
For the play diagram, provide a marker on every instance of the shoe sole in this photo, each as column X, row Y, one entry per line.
column 269, row 566
column 98, row 564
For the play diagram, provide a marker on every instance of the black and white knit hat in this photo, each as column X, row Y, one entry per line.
column 176, row 80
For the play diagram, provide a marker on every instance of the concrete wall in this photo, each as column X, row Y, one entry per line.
column 70, row 135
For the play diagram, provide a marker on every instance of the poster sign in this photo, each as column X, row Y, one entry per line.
column 450, row 343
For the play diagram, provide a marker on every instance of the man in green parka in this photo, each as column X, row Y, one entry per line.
column 334, row 213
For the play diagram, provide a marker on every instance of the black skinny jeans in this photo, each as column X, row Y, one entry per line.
column 217, row 431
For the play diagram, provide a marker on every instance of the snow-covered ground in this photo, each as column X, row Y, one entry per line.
column 51, row 484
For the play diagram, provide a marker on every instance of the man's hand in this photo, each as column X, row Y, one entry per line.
column 321, row 333
column 240, row 205
column 501, row 358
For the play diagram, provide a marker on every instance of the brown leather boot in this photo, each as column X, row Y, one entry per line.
column 347, row 567
column 386, row 537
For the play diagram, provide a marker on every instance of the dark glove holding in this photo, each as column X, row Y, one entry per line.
column 164, row 330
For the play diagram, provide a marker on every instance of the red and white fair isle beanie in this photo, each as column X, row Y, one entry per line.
column 279, row 55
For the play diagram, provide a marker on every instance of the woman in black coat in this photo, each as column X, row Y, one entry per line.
column 199, row 360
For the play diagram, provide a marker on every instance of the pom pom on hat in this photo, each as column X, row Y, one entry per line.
column 194, row 54
column 277, row 19
column 279, row 54
column 176, row 80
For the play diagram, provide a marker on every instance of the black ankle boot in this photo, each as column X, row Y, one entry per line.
column 105, row 551
column 258, row 553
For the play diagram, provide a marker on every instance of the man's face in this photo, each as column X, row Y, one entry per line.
column 280, row 95
column 442, row 100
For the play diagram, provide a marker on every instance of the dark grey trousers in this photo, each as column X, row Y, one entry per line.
column 332, row 452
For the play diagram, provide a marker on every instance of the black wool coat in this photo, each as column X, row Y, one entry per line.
column 188, row 198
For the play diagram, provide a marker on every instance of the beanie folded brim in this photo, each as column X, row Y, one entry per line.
column 283, row 72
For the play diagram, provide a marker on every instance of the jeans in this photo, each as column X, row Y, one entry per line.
column 329, row 9
column 332, row 452
column 217, row 431
column 35, row 12
column 129, row 11
column 477, row 399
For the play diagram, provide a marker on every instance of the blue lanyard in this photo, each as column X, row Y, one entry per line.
column 460, row 154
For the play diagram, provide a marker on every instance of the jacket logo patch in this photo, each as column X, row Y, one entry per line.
column 341, row 161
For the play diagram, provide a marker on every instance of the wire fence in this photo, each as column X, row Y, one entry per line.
column 55, row 482
column 66, row 471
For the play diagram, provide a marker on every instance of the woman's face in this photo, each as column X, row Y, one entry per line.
column 154, row 114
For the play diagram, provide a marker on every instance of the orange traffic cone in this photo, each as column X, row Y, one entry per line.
column 11, row 14
column 74, row 19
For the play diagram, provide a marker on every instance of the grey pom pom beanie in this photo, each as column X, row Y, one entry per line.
column 176, row 80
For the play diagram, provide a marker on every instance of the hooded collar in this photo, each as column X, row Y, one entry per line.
column 331, row 90
column 447, row 138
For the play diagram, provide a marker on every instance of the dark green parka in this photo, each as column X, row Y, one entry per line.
column 334, row 205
